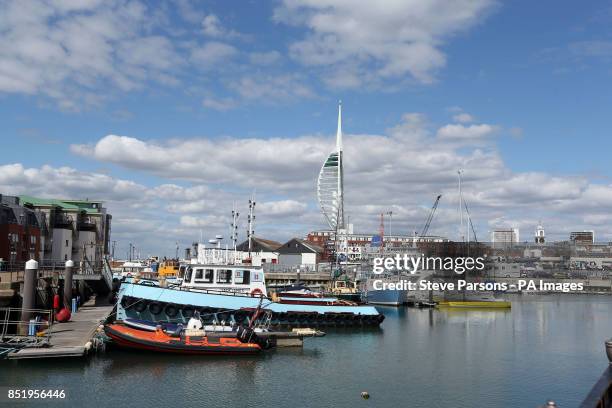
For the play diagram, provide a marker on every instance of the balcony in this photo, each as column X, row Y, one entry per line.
column 62, row 221
column 87, row 225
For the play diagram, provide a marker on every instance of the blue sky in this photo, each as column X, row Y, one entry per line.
column 525, row 84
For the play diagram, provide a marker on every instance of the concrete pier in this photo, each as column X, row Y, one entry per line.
column 70, row 339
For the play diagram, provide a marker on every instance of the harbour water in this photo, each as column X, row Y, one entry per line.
column 545, row 347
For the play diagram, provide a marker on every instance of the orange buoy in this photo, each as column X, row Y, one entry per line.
column 63, row 315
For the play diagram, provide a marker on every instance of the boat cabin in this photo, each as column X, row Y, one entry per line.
column 130, row 269
column 230, row 278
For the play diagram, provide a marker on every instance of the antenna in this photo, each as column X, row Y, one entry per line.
column 251, row 222
column 234, row 226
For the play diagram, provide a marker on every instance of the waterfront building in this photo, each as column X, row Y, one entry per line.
column 74, row 229
column 263, row 251
column 582, row 237
column 358, row 245
column 504, row 237
column 300, row 253
column 21, row 233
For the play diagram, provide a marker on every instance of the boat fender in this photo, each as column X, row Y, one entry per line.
column 188, row 311
column 256, row 292
column 140, row 305
column 171, row 310
column 155, row 308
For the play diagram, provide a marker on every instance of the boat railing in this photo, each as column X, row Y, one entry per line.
column 213, row 291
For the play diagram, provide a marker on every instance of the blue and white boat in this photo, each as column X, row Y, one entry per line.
column 224, row 293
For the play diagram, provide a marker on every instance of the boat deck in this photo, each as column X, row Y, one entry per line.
column 69, row 339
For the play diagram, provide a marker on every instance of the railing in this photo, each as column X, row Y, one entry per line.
column 47, row 268
column 17, row 334
column 107, row 272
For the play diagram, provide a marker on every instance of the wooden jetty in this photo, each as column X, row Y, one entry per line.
column 70, row 339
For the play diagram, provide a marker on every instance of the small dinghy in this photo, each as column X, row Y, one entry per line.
column 187, row 341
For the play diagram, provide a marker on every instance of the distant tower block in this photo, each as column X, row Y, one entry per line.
column 540, row 235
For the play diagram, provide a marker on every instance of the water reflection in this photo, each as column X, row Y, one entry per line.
column 544, row 347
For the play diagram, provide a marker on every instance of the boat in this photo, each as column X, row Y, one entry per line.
column 385, row 297
column 224, row 292
column 482, row 301
column 300, row 294
column 346, row 289
column 189, row 341
column 169, row 268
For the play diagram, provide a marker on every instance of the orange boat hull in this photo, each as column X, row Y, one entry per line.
column 159, row 341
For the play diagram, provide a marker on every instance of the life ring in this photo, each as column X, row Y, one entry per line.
column 171, row 310
column 256, row 292
column 155, row 308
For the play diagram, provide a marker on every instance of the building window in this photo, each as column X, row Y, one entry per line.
column 66, row 243
column 65, row 257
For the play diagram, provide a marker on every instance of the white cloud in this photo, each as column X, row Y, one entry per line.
column 64, row 182
column 402, row 170
column 282, row 208
column 219, row 104
column 212, row 54
column 463, row 117
column 272, row 88
column 69, row 51
column 462, row 133
column 264, row 58
column 378, row 40
column 212, row 27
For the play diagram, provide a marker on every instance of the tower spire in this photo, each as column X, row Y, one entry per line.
column 339, row 133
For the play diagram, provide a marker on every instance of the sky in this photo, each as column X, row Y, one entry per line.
column 171, row 111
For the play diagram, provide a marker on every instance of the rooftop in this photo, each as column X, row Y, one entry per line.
column 91, row 207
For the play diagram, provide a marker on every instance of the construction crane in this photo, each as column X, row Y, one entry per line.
column 430, row 217
column 470, row 220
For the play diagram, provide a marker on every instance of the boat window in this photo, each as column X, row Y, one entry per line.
column 204, row 276
column 224, row 276
column 188, row 275
column 242, row 277
column 256, row 276
column 182, row 271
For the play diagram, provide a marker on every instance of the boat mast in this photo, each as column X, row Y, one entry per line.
column 234, row 229
column 381, row 231
column 251, row 222
column 460, row 207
